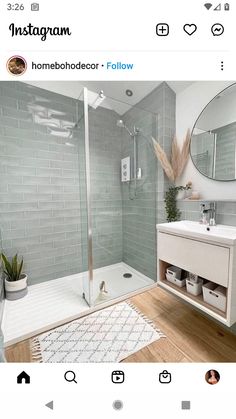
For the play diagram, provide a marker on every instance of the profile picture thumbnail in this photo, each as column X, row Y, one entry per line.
column 16, row 65
column 212, row 377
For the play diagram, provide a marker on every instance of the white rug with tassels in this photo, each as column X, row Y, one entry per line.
column 108, row 335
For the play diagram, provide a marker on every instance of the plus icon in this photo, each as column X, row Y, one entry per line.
column 162, row 29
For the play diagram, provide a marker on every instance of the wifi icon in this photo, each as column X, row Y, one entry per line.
column 208, row 6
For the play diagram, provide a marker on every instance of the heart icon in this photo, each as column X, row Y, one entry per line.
column 190, row 28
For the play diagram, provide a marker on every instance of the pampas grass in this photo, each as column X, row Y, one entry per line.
column 173, row 168
column 175, row 153
column 183, row 156
column 163, row 159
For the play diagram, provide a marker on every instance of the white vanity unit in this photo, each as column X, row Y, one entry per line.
column 209, row 252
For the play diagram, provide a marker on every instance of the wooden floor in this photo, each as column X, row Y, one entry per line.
column 190, row 336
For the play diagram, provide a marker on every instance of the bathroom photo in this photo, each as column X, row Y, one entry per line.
column 117, row 221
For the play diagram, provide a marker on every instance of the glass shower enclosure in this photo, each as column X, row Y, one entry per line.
column 117, row 170
column 78, row 191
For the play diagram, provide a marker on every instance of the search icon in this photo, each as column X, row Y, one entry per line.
column 70, row 376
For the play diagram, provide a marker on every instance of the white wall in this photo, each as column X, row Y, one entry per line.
column 189, row 104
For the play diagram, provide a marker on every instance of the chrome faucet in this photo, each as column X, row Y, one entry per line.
column 211, row 212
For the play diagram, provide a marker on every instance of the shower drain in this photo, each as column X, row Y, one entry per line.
column 127, row 275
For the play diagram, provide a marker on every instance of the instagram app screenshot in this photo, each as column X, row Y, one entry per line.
column 117, row 209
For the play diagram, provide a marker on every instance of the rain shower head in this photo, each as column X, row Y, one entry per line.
column 98, row 100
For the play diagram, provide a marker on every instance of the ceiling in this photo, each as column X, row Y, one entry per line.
column 115, row 91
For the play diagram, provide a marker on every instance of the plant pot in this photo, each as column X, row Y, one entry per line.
column 16, row 289
column 181, row 195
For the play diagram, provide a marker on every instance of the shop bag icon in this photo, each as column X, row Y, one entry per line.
column 165, row 377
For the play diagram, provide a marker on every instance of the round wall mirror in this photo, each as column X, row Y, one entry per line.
column 213, row 140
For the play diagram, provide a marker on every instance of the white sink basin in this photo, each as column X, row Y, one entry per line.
column 221, row 234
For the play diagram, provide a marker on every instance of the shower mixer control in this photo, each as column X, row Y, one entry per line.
column 125, row 169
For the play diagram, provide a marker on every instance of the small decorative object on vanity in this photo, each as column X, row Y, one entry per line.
column 15, row 280
column 195, row 196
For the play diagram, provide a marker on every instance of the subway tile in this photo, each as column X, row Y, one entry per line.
column 64, row 181
column 12, row 234
column 51, row 205
column 20, row 134
column 3, row 188
column 10, row 122
column 22, row 206
column 36, row 180
column 54, row 237
column 31, row 215
column 8, row 180
column 27, row 224
column 35, row 162
column 31, row 197
column 49, row 172
column 11, row 197
column 16, row 113
column 6, row 244
column 7, row 101
column 22, row 188
column 11, row 216
column 32, row 126
column 53, row 189
column 66, row 228
column 5, row 225
column 21, row 171
column 66, row 243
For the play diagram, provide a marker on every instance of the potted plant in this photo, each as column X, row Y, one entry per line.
column 15, row 280
column 172, row 211
column 173, row 169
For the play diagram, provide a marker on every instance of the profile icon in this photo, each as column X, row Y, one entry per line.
column 212, row 377
column 16, row 65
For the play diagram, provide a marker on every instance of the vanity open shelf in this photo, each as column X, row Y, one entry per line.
column 209, row 254
column 182, row 292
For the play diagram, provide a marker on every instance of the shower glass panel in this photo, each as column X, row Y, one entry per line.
column 82, row 129
column 123, row 202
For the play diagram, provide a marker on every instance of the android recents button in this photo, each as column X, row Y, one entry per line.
column 185, row 405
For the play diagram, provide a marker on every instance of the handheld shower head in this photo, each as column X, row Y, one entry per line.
column 120, row 123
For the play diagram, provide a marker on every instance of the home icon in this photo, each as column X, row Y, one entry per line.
column 23, row 377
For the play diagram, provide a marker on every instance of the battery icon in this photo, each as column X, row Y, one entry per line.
column 226, row 7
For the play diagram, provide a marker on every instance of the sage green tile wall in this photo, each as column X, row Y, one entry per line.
column 42, row 189
column 139, row 204
column 160, row 102
column 39, row 188
column 1, row 286
column 43, row 186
